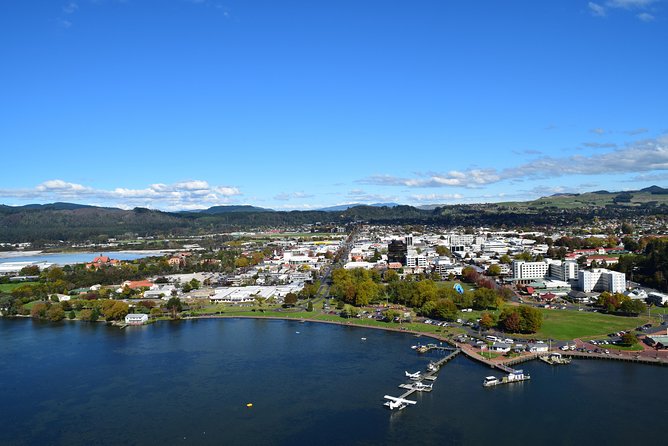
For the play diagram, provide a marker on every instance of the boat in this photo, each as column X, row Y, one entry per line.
column 432, row 367
column 364, row 339
column 491, row 381
column 555, row 359
column 422, row 349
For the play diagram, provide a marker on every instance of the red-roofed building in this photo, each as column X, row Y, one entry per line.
column 102, row 261
column 134, row 284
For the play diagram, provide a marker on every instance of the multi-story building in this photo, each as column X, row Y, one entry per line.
column 527, row 271
column 415, row 260
column 554, row 269
column 396, row 252
column 599, row 279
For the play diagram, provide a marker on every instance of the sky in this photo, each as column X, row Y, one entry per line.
column 187, row 104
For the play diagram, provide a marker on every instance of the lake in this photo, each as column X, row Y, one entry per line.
column 188, row 382
column 71, row 258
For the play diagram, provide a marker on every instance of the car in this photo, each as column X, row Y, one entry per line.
column 607, row 352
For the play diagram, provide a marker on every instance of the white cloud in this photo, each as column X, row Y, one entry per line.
column 181, row 195
column 599, row 145
column 435, row 198
column 643, row 156
column 645, row 17
column 596, row 9
column 285, row 196
column 599, row 10
column 637, row 131
column 629, row 4
column 70, row 8
column 598, row 131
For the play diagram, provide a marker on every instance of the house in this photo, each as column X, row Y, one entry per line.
column 134, row 284
column 500, row 347
column 102, row 261
column 176, row 261
column 136, row 319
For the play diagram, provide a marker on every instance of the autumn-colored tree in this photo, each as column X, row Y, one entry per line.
column 486, row 321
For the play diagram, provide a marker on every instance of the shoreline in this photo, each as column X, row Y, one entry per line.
column 468, row 350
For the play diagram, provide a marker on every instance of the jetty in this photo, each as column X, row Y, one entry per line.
column 401, row 401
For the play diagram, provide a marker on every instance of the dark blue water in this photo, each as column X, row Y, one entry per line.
column 189, row 382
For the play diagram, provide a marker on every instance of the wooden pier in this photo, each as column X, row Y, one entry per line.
column 431, row 374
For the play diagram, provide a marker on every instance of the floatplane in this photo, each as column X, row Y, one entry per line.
column 418, row 386
column 414, row 376
column 397, row 403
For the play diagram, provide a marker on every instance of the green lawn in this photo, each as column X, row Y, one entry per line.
column 626, row 348
column 489, row 355
column 8, row 287
column 563, row 324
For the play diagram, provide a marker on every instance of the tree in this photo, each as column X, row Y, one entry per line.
column 30, row 270
column 510, row 321
column 486, row 321
column 174, row 305
column 445, row 309
column 309, row 306
column 118, row 310
column 55, row 313
column 633, row 306
column 443, row 251
column 627, row 228
column 71, row 315
column 494, row 270
column 532, row 319
column 505, row 259
column 484, row 298
column 39, row 310
column 629, row 339
column 290, row 299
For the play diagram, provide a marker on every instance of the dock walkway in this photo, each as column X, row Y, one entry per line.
column 431, row 375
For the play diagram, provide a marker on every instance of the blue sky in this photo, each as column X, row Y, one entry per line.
column 182, row 104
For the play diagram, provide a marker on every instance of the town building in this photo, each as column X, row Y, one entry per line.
column 599, row 279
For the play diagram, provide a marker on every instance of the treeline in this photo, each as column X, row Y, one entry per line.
column 362, row 287
column 44, row 224
column 650, row 267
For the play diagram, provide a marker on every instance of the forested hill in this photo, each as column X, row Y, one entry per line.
column 66, row 221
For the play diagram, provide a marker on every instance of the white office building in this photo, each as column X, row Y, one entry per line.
column 599, row 279
column 530, row 270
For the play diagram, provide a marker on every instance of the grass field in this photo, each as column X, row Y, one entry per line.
column 563, row 325
column 626, row 348
column 8, row 287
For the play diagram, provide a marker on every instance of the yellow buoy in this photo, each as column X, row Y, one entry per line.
column 249, row 405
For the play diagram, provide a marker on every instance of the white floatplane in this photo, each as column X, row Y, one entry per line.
column 415, row 375
column 397, row 403
column 423, row 387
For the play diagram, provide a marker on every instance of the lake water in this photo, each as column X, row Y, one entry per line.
column 79, row 257
column 188, row 382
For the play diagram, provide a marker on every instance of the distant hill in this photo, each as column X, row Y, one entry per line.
column 75, row 222
column 58, row 206
column 343, row 207
column 233, row 208
column 656, row 190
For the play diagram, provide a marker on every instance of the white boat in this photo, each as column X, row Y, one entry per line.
column 432, row 367
column 490, row 381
